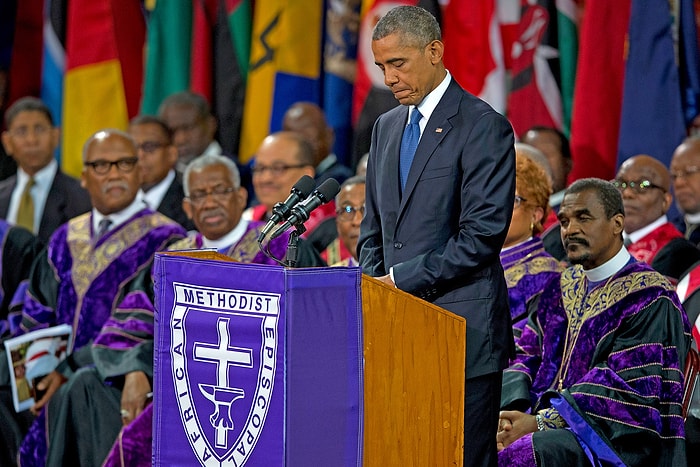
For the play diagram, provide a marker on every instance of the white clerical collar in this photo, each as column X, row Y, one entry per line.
column 610, row 267
column 429, row 102
column 155, row 195
column 693, row 218
column 118, row 218
column 229, row 239
column 644, row 231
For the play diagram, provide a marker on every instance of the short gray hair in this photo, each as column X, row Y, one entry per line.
column 207, row 160
column 415, row 25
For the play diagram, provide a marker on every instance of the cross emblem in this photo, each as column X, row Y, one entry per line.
column 223, row 355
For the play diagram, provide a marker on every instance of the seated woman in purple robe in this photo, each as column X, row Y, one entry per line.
column 526, row 264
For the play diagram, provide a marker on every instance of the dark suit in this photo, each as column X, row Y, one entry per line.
column 679, row 222
column 444, row 235
column 171, row 205
column 66, row 200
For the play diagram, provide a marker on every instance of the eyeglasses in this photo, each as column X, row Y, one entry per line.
column 220, row 194
column 102, row 167
column 275, row 170
column 517, row 201
column 347, row 213
column 150, row 146
column 23, row 131
column 684, row 173
column 639, row 187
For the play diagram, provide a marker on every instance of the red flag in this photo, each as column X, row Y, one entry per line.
column 474, row 51
column 25, row 65
column 595, row 123
column 204, row 13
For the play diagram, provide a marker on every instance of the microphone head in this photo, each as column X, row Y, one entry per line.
column 328, row 189
column 304, row 186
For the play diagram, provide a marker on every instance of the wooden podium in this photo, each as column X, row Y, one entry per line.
column 414, row 379
column 362, row 374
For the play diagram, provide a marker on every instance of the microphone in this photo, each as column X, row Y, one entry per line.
column 300, row 213
column 281, row 211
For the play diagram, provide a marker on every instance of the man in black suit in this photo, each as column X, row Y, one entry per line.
column 31, row 139
column 439, row 236
column 157, row 158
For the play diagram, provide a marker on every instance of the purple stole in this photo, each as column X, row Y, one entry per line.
column 527, row 267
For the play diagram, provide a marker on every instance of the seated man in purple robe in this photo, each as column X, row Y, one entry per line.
column 214, row 201
column 598, row 374
column 79, row 278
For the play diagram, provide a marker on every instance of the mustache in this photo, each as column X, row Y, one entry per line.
column 575, row 240
column 118, row 184
column 211, row 212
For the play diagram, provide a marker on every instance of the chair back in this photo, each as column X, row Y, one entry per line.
column 692, row 368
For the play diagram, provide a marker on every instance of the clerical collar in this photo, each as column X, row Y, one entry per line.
column 693, row 218
column 610, row 267
column 229, row 239
column 118, row 218
column 644, row 231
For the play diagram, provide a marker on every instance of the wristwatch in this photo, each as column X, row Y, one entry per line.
column 540, row 422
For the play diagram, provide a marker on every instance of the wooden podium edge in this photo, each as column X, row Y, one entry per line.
column 413, row 381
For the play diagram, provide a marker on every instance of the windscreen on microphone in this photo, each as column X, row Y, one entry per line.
column 300, row 213
column 281, row 211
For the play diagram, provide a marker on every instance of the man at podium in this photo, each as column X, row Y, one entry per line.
column 438, row 205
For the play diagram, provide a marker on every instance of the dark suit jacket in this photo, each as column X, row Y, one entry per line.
column 171, row 205
column 679, row 222
column 66, row 200
column 444, row 235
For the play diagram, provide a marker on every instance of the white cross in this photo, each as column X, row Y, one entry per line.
column 223, row 355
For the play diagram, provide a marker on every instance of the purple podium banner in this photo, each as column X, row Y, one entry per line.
column 256, row 365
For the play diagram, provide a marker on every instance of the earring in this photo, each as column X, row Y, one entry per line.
column 532, row 226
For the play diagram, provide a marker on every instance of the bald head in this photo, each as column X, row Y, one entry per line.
column 645, row 184
column 308, row 119
column 685, row 170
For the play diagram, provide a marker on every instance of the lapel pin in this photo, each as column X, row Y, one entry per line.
column 438, row 130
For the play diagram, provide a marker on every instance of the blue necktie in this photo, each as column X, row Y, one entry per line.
column 409, row 143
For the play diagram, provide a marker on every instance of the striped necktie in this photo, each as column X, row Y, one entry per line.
column 25, row 211
column 103, row 227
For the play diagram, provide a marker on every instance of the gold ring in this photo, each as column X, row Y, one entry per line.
column 125, row 413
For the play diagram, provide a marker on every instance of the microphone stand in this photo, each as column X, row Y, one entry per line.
column 291, row 257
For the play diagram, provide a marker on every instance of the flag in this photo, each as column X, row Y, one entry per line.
column 567, row 35
column 54, row 57
column 340, row 64
column 285, row 66
column 25, row 66
column 204, row 16
column 168, row 47
column 652, row 112
column 535, row 96
column 102, row 86
column 689, row 61
column 231, row 54
column 474, row 51
column 595, row 121
column 371, row 97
